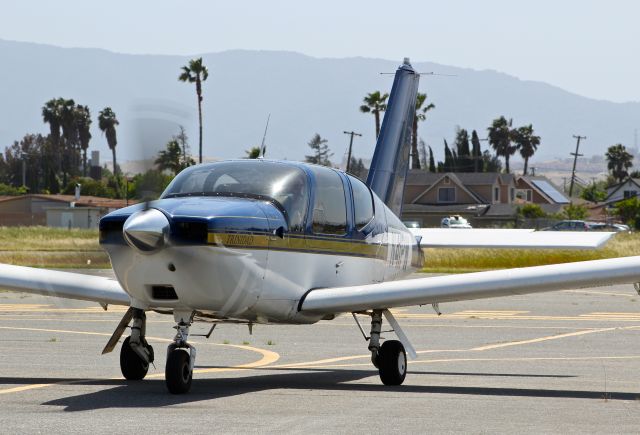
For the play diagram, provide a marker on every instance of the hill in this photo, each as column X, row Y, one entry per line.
column 304, row 95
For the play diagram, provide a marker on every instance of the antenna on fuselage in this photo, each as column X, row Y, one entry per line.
column 263, row 146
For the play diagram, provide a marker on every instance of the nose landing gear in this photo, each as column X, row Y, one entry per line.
column 181, row 356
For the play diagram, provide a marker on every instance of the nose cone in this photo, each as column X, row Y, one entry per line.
column 147, row 230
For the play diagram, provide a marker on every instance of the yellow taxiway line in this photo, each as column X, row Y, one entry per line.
column 267, row 357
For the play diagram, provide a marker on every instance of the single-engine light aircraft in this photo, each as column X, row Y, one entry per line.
column 263, row 241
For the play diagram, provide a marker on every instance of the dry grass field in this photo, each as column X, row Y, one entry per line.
column 473, row 260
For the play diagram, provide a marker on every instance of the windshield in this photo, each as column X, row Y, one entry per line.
column 286, row 184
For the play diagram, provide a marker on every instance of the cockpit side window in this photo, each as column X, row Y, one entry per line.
column 329, row 206
column 362, row 203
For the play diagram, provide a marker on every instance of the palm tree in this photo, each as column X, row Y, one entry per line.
column 196, row 73
column 500, row 137
column 421, row 115
column 83, row 124
column 618, row 161
column 52, row 115
column 527, row 143
column 70, row 135
column 375, row 103
column 107, row 122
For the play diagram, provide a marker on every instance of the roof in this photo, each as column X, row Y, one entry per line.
column 84, row 201
column 453, row 177
column 511, row 209
column 613, row 189
column 558, row 194
column 445, row 209
column 418, row 177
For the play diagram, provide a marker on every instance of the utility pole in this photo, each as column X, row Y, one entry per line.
column 350, row 133
column 575, row 160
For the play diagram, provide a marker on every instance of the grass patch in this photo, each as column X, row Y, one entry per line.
column 246, row 343
column 52, row 248
column 443, row 260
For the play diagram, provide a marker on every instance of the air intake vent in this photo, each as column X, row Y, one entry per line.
column 191, row 232
column 164, row 292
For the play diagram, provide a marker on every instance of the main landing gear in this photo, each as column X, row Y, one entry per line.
column 136, row 354
column 390, row 358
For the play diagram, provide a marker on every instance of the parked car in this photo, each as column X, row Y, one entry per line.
column 602, row 226
column 454, row 222
column 569, row 225
column 411, row 224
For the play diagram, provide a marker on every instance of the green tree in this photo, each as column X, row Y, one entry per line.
column 449, row 159
column 420, row 115
column 593, row 193
column 196, row 73
column 183, row 140
column 500, row 139
column 628, row 210
column 476, row 152
column 531, row 211
column 464, row 161
column 375, row 103
column 149, row 185
column 107, row 123
column 83, row 126
column 575, row 211
column 321, row 152
column 619, row 160
column 52, row 161
column 490, row 163
column 170, row 159
column 432, row 164
column 253, row 153
column 527, row 143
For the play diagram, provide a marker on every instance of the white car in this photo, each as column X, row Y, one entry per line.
column 454, row 222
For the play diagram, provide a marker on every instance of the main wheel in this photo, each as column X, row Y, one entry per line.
column 392, row 362
column 132, row 366
column 178, row 372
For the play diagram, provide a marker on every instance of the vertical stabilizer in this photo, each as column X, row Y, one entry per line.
column 390, row 162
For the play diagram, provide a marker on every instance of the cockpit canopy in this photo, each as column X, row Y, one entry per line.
column 284, row 183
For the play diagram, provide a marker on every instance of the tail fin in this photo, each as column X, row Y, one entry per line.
column 390, row 162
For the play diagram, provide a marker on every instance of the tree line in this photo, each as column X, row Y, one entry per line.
column 56, row 162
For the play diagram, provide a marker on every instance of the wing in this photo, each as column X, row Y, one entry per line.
column 501, row 238
column 473, row 285
column 62, row 284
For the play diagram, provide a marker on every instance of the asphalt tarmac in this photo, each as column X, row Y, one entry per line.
column 558, row 362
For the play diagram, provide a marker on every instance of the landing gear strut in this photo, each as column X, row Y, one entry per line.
column 390, row 359
column 136, row 354
column 181, row 356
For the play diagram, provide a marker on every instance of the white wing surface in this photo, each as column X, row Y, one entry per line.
column 502, row 238
column 473, row 285
column 62, row 284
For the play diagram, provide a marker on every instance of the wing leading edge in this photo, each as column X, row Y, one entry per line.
column 474, row 285
column 62, row 284
column 505, row 238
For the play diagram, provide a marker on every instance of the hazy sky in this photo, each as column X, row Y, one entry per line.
column 589, row 47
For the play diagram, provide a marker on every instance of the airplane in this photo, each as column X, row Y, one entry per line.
column 281, row 242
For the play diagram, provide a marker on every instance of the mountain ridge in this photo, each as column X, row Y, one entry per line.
column 304, row 95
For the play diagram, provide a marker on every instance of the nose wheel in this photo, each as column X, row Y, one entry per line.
column 178, row 372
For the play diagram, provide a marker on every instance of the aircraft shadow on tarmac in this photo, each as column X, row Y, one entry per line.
column 152, row 392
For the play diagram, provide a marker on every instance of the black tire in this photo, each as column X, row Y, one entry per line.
column 132, row 366
column 178, row 374
column 392, row 363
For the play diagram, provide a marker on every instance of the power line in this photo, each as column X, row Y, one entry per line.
column 351, row 133
column 575, row 160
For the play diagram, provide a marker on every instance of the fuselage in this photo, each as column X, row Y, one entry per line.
column 245, row 240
